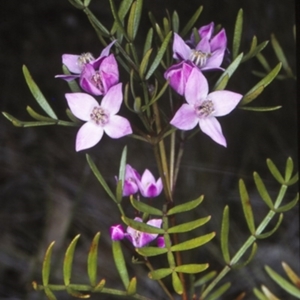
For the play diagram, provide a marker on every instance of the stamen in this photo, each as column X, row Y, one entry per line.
column 99, row 116
column 205, row 108
column 84, row 59
column 199, row 58
column 97, row 81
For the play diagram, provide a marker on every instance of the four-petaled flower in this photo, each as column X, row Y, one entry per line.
column 99, row 118
column 202, row 108
column 148, row 186
column 208, row 53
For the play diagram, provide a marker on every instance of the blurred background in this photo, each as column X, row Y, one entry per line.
column 47, row 191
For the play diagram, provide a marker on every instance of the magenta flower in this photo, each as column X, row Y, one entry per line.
column 148, row 186
column 99, row 118
column 130, row 183
column 117, row 232
column 178, row 75
column 207, row 54
column 202, row 108
column 140, row 239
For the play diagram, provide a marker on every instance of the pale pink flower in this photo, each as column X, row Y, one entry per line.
column 148, row 186
column 202, row 108
column 99, row 118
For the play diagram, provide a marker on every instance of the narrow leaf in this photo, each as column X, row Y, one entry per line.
column 259, row 294
column 252, row 253
column 263, row 62
column 274, row 171
column 260, row 109
column 117, row 19
column 249, row 97
column 175, row 21
column 191, row 268
column 122, row 12
column 288, row 206
column 246, row 206
column 49, row 294
column 100, row 285
column 145, row 208
column 122, row 167
column 19, row 123
column 269, row 233
column 142, row 226
column 68, row 261
column 37, row 94
column 151, row 251
column 291, row 274
column 237, row 34
column 177, row 284
column 92, row 260
column 46, row 265
column 72, row 117
column 144, row 63
column 148, row 41
column 185, row 206
column 189, row 225
column 222, row 82
column 289, row 169
column 131, row 290
column 224, row 235
column 191, row 22
column 73, row 292
column 159, row 55
column 160, row 273
column 294, row 179
column 155, row 96
column 120, row 262
column 37, row 116
column 287, row 286
column 255, row 51
column 98, row 26
column 262, row 190
column 219, row 292
column 134, row 19
column 193, row 243
column 100, row 178
column 269, row 295
column 264, row 82
column 205, row 278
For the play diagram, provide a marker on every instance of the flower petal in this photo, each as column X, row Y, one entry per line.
column 212, row 128
column 117, row 127
column 116, row 232
column 105, row 51
column 155, row 222
column 206, row 30
column 67, row 77
column 224, row 102
column 185, row 118
column 215, row 60
column 109, row 72
column 81, row 105
column 147, row 177
column 219, row 41
column 180, row 49
column 71, row 62
column 86, row 80
column 204, row 45
column 113, row 99
column 196, row 87
column 88, row 135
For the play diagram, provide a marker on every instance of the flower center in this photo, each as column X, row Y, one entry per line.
column 199, row 58
column 99, row 116
column 97, row 81
column 84, row 59
column 205, row 108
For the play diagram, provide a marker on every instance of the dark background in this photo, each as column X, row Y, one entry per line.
column 48, row 193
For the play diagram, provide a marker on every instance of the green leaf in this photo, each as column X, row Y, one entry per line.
column 294, row 179
column 46, row 265
column 159, row 32
column 259, row 294
column 37, row 116
column 224, row 235
column 262, row 190
column 68, row 261
column 144, row 63
column 122, row 167
column 155, row 95
column 148, row 41
column 185, row 206
column 118, row 20
column 19, row 123
column 100, row 285
column 191, row 21
column 175, row 21
column 191, row 268
column 283, row 283
column 73, row 85
column 145, row 208
column 131, row 290
column 221, row 83
column 159, row 55
column 262, row 109
column 151, row 251
column 263, row 83
column 120, row 262
column 263, row 62
column 122, row 12
column 254, row 51
column 100, row 178
column 98, row 26
column 205, row 278
column 269, row 233
column 142, row 226
column 193, row 243
column 237, row 34
column 72, row 117
column 291, row 274
column 289, row 169
column 160, row 273
column 119, row 191
column 246, row 206
column 288, row 206
column 275, row 172
column 177, row 284
column 49, row 294
column 73, row 292
column 189, row 225
column 92, row 260
column 86, row 3
column 252, row 253
column 37, row 94
column 220, row 291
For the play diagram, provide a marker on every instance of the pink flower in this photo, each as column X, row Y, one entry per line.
column 99, row 118
column 130, row 183
column 117, row 232
column 140, row 239
column 202, row 108
column 148, row 186
column 178, row 75
column 208, row 53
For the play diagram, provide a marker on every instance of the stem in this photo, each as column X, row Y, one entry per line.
column 248, row 243
column 179, row 157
